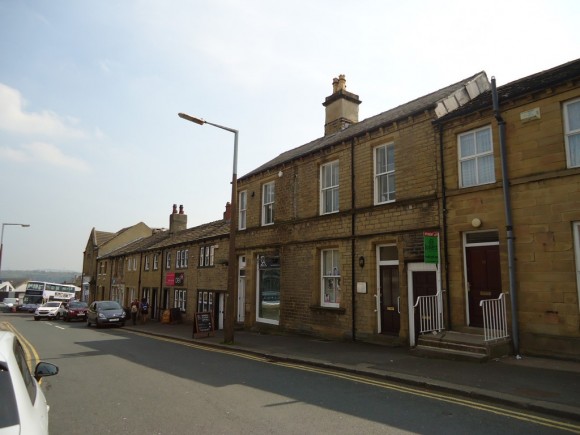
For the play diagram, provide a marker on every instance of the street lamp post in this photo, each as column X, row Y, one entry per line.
column 2, row 243
column 232, row 262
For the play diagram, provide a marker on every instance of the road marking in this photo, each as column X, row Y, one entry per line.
column 439, row 396
column 32, row 357
column 518, row 415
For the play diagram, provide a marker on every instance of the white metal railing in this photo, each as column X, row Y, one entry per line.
column 494, row 318
column 430, row 313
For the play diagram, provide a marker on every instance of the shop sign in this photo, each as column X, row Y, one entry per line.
column 431, row 247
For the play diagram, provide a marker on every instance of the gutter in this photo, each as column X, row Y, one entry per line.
column 508, row 216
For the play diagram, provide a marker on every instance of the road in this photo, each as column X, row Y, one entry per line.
column 117, row 381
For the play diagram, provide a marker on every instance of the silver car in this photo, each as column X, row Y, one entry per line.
column 106, row 313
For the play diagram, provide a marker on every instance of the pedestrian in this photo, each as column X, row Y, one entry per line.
column 134, row 310
column 144, row 310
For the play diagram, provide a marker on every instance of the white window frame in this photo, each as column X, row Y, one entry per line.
column 576, row 232
column 180, row 299
column 147, row 262
column 168, row 260
column 155, row 261
column 334, row 276
column 242, row 214
column 206, row 256
column 572, row 158
column 476, row 157
column 268, row 200
column 388, row 173
column 181, row 259
column 201, row 256
column 329, row 173
column 211, row 255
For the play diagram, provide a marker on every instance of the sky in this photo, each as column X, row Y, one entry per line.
column 90, row 92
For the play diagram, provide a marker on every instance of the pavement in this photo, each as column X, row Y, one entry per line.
column 538, row 384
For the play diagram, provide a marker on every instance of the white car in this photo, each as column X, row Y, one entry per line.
column 24, row 409
column 50, row 310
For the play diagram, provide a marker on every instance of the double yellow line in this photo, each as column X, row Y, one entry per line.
column 32, row 357
column 503, row 411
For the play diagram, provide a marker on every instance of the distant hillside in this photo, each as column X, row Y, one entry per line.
column 17, row 277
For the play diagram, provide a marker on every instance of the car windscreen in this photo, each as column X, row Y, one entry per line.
column 8, row 410
column 109, row 306
column 77, row 305
column 52, row 304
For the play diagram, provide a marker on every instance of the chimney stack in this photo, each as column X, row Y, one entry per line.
column 177, row 221
column 228, row 212
column 341, row 107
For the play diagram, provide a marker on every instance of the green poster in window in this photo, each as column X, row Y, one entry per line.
column 431, row 246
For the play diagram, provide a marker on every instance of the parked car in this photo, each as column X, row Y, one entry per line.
column 50, row 310
column 29, row 308
column 75, row 310
column 24, row 407
column 106, row 313
column 9, row 305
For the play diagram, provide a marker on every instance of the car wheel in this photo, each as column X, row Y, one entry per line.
column 57, row 316
column 37, row 318
column 88, row 323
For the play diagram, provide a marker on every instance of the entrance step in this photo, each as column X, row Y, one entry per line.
column 465, row 346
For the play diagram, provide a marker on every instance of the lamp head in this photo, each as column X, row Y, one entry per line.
column 191, row 118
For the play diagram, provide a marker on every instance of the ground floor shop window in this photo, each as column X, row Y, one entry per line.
column 205, row 301
column 577, row 252
column 330, row 278
column 268, row 292
column 118, row 293
column 180, row 299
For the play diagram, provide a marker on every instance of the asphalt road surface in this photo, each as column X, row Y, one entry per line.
column 116, row 381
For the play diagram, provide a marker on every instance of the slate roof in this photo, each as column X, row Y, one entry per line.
column 426, row 102
column 164, row 239
column 200, row 233
column 102, row 237
column 532, row 83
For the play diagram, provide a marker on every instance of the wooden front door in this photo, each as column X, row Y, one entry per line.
column 483, row 279
column 390, row 312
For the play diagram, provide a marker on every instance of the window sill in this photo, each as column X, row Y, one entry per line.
column 321, row 309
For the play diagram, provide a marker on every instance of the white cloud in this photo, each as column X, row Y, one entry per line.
column 14, row 118
column 45, row 153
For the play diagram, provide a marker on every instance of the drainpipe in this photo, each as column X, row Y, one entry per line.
column 139, row 281
column 444, row 227
column 508, row 217
column 161, row 289
column 352, row 239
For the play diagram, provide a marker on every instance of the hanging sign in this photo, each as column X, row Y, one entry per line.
column 431, row 246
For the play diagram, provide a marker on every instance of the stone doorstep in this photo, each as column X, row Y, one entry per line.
column 449, row 354
column 468, row 346
column 451, row 345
